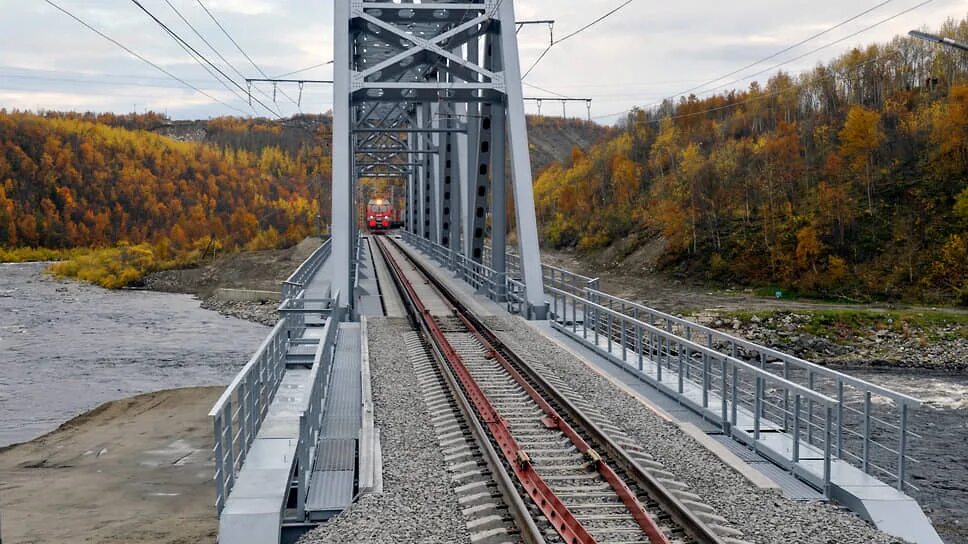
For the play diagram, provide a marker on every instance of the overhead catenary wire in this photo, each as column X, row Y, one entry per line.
column 179, row 39
column 205, row 67
column 777, row 65
column 301, row 70
column 210, row 46
column 786, row 49
column 239, row 48
column 572, row 34
column 142, row 58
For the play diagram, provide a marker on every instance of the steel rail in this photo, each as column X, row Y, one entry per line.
column 523, row 373
column 564, row 522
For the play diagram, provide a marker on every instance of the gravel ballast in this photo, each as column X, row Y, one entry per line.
column 764, row 516
column 418, row 503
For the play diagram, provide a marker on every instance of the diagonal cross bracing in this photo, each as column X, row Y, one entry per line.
column 417, row 87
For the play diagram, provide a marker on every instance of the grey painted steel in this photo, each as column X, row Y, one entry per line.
column 370, row 467
column 268, row 422
column 333, row 474
column 344, row 402
column 885, row 409
column 420, row 68
column 343, row 228
column 499, row 215
column 306, row 271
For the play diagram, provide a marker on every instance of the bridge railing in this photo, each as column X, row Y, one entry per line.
column 507, row 287
column 311, row 420
column 238, row 413
column 554, row 276
column 870, row 423
column 742, row 398
column 297, row 282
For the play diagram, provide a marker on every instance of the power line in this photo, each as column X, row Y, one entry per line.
column 790, row 48
column 831, row 44
column 141, row 58
column 210, row 46
column 239, row 47
column 579, row 31
column 306, row 69
column 208, row 70
column 748, row 76
column 542, row 89
column 753, row 98
column 179, row 39
column 206, row 42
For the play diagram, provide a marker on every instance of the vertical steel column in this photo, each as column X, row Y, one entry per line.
column 527, row 226
column 427, row 175
column 413, row 197
column 420, row 174
column 343, row 229
column 432, row 181
column 499, row 213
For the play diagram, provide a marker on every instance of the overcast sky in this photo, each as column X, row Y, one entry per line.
column 649, row 50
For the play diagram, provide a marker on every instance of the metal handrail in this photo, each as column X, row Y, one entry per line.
column 300, row 278
column 242, row 406
column 699, row 348
column 800, row 363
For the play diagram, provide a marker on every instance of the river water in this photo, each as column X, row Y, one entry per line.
column 66, row 347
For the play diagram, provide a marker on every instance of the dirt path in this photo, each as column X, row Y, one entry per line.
column 135, row 471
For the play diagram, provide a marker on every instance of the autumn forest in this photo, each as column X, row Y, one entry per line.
column 848, row 182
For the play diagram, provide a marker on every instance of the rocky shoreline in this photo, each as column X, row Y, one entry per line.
column 896, row 345
column 262, row 312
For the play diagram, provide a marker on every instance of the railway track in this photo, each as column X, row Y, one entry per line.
column 583, row 480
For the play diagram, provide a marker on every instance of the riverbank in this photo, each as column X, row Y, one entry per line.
column 260, row 271
column 136, row 471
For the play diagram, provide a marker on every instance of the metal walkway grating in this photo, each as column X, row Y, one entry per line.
column 333, row 482
column 791, row 487
column 344, row 403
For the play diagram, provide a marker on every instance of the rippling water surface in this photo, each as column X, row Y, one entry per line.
column 66, row 347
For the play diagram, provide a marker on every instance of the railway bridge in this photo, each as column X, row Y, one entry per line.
column 532, row 388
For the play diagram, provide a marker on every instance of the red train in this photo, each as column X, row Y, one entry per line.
column 381, row 216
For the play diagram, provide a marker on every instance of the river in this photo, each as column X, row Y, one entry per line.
column 66, row 347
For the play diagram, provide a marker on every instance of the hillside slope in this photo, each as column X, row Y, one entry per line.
column 850, row 181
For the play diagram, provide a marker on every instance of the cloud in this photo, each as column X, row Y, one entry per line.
column 647, row 51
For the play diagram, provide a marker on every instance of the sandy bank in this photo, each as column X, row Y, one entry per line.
column 137, row 470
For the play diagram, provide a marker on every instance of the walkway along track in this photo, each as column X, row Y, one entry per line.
column 585, row 485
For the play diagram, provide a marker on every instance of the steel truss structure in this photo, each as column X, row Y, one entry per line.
column 431, row 92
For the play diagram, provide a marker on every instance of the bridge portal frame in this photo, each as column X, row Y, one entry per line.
column 448, row 77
